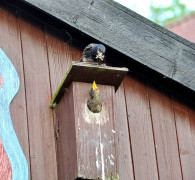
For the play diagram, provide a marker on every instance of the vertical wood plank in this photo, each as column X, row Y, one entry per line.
column 124, row 152
column 41, row 129
column 185, row 123
column 60, row 57
column 141, row 133
column 165, row 135
column 11, row 44
column 66, row 146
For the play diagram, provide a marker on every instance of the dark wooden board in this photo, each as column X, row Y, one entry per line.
column 141, row 129
column 129, row 33
column 88, row 72
column 38, row 95
column 11, row 44
column 165, row 134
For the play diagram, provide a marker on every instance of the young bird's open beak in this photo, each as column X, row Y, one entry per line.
column 94, row 86
column 100, row 56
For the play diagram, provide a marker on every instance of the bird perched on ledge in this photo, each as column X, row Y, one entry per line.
column 94, row 103
column 94, row 53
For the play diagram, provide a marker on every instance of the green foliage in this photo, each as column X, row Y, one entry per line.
column 163, row 15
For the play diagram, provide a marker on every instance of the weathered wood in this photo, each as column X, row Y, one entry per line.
column 38, row 95
column 165, row 135
column 88, row 72
column 125, row 164
column 59, row 55
column 128, row 33
column 66, row 138
column 141, row 132
column 184, row 117
column 11, row 45
column 91, row 134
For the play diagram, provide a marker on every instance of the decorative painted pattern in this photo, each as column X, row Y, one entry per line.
column 9, row 81
column 5, row 166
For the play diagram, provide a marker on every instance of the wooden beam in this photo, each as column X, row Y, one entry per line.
column 129, row 33
column 88, row 72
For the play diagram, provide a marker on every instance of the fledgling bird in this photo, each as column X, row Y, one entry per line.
column 94, row 53
column 94, row 103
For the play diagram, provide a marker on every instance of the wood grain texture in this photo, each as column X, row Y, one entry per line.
column 60, row 56
column 125, row 164
column 141, row 132
column 38, row 94
column 128, row 33
column 95, row 134
column 66, row 140
column 185, row 123
column 11, row 45
column 165, row 135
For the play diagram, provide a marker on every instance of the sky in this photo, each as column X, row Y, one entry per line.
column 143, row 6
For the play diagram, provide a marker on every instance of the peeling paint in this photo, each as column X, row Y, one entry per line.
column 97, row 160
column 112, row 156
column 113, row 131
column 102, row 160
column 110, row 160
column 95, row 118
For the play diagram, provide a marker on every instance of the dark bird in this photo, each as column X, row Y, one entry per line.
column 94, row 53
column 94, row 103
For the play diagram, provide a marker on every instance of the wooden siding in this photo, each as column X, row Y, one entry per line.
column 155, row 130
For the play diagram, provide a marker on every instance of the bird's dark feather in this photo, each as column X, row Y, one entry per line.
column 90, row 53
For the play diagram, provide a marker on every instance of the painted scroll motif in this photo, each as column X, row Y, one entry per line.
column 13, row 164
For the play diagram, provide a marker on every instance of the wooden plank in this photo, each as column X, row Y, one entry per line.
column 38, row 94
column 184, row 117
column 60, row 56
column 11, row 45
column 125, row 165
column 165, row 135
column 88, row 72
column 66, row 146
column 129, row 33
column 141, row 132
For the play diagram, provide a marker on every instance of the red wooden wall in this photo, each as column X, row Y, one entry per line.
column 155, row 130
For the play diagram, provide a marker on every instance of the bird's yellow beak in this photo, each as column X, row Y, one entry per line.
column 94, row 86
